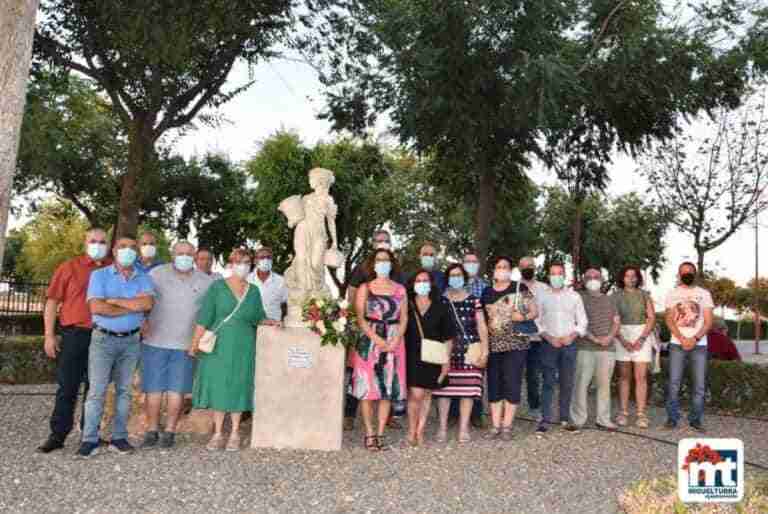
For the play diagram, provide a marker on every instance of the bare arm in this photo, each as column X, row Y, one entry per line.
column 650, row 317
column 403, row 321
column 51, row 344
column 360, row 301
column 351, row 294
column 101, row 307
column 142, row 303
column 673, row 328
column 194, row 347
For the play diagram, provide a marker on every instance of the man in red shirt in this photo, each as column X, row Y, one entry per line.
column 66, row 299
column 719, row 345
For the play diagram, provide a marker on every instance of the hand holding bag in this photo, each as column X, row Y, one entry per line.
column 207, row 341
column 432, row 352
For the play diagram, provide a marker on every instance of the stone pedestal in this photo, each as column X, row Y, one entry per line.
column 299, row 391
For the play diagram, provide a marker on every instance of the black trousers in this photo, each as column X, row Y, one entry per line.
column 71, row 371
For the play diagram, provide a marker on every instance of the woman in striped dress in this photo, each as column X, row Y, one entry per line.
column 465, row 381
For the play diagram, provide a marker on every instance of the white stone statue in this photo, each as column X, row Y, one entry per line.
column 308, row 216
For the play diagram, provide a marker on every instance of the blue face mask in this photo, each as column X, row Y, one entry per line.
column 557, row 281
column 126, row 257
column 383, row 268
column 183, row 262
column 428, row 261
column 473, row 268
column 422, row 288
column 264, row 265
column 456, row 282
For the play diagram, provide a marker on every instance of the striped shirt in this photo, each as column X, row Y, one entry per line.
column 601, row 312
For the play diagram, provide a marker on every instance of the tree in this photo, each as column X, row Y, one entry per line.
column 14, row 245
column 711, row 186
column 723, row 290
column 17, row 24
column 637, row 225
column 366, row 191
column 57, row 233
column 483, row 85
column 160, row 64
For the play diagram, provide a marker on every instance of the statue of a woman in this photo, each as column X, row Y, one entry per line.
column 309, row 214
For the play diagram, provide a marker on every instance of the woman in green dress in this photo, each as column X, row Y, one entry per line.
column 224, row 381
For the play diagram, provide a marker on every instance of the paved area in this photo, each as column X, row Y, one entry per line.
column 562, row 473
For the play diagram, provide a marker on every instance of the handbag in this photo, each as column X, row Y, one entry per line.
column 432, row 352
column 474, row 350
column 207, row 341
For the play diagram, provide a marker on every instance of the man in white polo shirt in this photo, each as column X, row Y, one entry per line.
column 274, row 294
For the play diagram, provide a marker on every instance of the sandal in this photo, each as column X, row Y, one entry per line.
column 381, row 442
column 506, row 434
column 233, row 445
column 371, row 443
column 621, row 419
column 492, row 433
column 642, row 420
column 442, row 436
column 215, row 443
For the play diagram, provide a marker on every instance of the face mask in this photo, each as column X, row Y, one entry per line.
column 428, row 261
column 593, row 285
column 148, row 251
column 687, row 278
column 183, row 262
column 456, row 282
column 422, row 288
column 97, row 251
column 383, row 268
column 242, row 270
column 264, row 265
column 528, row 273
column 502, row 275
column 473, row 268
column 382, row 245
column 126, row 257
column 557, row 281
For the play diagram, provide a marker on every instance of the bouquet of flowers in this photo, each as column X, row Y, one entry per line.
column 702, row 453
column 332, row 320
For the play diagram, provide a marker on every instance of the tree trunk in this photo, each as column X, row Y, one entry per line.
column 700, row 262
column 17, row 30
column 486, row 212
column 140, row 152
column 578, row 220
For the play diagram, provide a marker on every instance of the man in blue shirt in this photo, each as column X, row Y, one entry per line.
column 119, row 297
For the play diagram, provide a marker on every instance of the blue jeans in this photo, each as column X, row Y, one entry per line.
column 533, row 374
column 698, row 363
column 557, row 362
column 110, row 359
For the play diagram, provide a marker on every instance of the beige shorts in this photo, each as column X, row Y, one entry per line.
column 630, row 333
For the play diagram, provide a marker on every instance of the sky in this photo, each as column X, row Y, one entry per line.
column 287, row 95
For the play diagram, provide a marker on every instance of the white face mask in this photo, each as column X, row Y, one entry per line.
column 148, row 251
column 97, row 251
column 382, row 245
column 593, row 285
column 242, row 270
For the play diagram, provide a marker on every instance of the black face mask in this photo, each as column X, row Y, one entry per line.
column 527, row 274
column 687, row 278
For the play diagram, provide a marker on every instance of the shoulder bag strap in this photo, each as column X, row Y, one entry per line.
column 418, row 319
column 237, row 307
column 456, row 315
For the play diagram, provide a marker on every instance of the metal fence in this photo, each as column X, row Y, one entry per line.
column 21, row 297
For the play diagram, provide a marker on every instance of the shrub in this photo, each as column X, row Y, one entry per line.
column 659, row 496
column 22, row 324
column 23, row 361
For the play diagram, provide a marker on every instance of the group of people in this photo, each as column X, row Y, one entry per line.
column 501, row 331
column 126, row 310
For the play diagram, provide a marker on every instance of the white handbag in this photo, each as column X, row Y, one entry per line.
column 207, row 341
column 432, row 352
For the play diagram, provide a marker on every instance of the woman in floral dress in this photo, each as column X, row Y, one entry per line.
column 378, row 360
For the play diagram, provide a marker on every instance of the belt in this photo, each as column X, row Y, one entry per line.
column 115, row 334
column 384, row 321
column 75, row 328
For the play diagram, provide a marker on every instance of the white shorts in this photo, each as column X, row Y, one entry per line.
column 630, row 333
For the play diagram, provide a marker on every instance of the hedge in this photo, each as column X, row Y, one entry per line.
column 23, row 361
column 22, row 324
column 747, row 332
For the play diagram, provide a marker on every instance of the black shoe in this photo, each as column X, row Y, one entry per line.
column 87, row 450
column 697, row 426
column 167, row 440
column 150, row 439
column 121, row 446
column 670, row 425
column 607, row 428
column 246, row 416
column 541, row 429
column 570, row 427
column 51, row 444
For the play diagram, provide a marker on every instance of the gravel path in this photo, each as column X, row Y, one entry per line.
column 562, row 473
